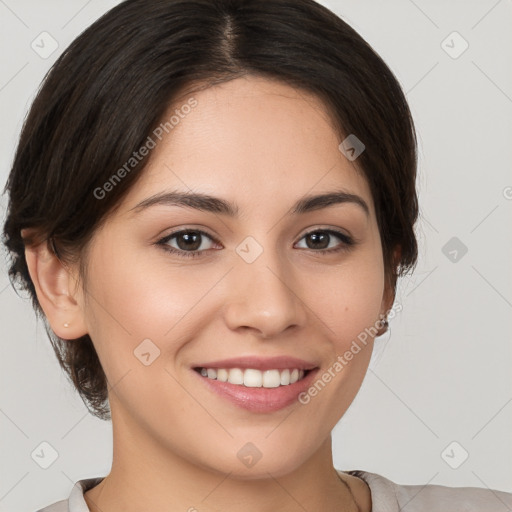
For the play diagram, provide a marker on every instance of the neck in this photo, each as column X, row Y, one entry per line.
column 144, row 476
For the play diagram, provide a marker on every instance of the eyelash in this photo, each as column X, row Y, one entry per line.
column 347, row 242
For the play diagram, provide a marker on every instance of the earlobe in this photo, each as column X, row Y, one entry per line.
column 387, row 302
column 54, row 285
column 389, row 294
column 388, row 298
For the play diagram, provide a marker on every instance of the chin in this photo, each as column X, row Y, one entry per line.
column 252, row 463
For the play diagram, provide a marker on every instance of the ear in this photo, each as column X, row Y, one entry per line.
column 55, row 287
column 388, row 297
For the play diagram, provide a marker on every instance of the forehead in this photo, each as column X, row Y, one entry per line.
column 252, row 141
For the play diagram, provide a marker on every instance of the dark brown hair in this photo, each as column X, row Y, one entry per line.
column 112, row 86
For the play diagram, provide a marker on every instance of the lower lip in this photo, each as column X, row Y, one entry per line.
column 259, row 399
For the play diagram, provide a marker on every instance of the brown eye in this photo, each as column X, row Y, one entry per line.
column 188, row 242
column 320, row 241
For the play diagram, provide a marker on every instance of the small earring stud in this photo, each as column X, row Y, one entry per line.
column 66, row 325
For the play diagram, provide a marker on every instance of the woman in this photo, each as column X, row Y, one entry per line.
column 210, row 205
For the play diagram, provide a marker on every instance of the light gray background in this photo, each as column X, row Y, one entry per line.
column 443, row 372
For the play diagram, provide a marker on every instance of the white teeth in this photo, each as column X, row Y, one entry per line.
column 285, row 377
column 222, row 375
column 252, row 378
column 271, row 379
column 235, row 376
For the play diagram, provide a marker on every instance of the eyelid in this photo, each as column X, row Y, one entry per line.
column 327, row 228
column 347, row 241
column 163, row 240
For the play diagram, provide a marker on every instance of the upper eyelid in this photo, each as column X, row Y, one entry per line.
column 195, row 230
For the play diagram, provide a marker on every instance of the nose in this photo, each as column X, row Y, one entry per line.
column 264, row 297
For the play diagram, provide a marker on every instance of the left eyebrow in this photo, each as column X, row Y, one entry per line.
column 212, row 204
column 317, row 202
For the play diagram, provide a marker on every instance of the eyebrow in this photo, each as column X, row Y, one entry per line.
column 208, row 203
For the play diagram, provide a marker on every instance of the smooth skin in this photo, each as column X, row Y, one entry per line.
column 262, row 145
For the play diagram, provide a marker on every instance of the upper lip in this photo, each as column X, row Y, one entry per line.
column 260, row 363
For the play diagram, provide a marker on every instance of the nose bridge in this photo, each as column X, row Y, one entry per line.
column 262, row 293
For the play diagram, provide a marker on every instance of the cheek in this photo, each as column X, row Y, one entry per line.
column 134, row 299
column 141, row 315
column 352, row 297
column 349, row 311
column 144, row 296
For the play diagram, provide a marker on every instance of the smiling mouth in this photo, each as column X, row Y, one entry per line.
column 253, row 378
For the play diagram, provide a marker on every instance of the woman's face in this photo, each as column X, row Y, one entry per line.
column 259, row 286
